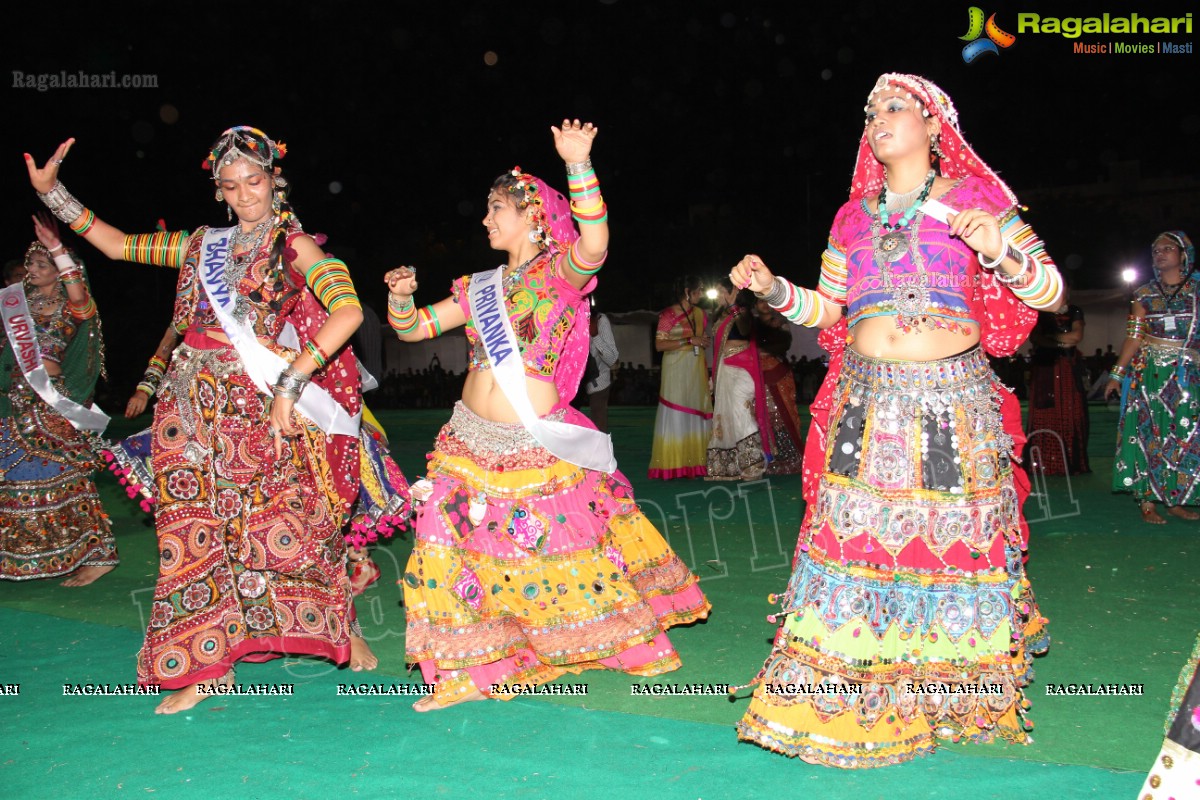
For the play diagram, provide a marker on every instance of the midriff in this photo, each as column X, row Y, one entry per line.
column 878, row 337
column 483, row 396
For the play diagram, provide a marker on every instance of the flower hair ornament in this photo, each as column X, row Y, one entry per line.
column 552, row 224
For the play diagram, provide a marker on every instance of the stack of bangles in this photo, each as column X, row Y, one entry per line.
column 1041, row 289
column 70, row 274
column 1118, row 373
column 587, row 207
column 798, row 305
column 1135, row 326
column 318, row 355
column 405, row 317
column 291, row 383
column 153, row 376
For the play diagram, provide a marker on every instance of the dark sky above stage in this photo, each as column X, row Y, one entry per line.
column 726, row 127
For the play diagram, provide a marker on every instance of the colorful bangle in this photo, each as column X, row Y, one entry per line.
column 1135, row 326
column 318, row 355
column 161, row 249
column 330, row 281
column 1118, row 373
column 84, row 227
column 577, row 263
column 402, row 316
column 428, row 321
column 798, row 305
column 84, row 310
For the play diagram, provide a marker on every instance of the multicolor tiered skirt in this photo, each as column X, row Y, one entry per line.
column 526, row 567
column 252, row 558
column 1158, row 446
column 908, row 614
column 683, row 424
column 1058, row 413
column 51, row 520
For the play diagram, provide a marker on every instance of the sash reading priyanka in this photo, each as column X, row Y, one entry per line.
column 585, row 447
column 19, row 325
column 261, row 364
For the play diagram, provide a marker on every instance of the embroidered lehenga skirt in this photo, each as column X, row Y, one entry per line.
column 252, row 557
column 908, row 616
column 526, row 567
column 1158, row 446
column 735, row 451
column 51, row 520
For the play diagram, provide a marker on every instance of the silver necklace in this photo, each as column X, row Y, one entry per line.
column 237, row 266
column 898, row 201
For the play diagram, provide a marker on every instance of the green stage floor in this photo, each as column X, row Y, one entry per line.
column 1121, row 596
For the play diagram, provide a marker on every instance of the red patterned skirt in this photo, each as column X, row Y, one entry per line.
column 252, row 558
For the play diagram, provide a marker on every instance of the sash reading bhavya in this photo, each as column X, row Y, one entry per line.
column 585, row 447
column 262, row 365
column 22, row 336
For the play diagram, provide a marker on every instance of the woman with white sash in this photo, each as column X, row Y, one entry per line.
column 255, row 452
column 531, row 558
column 51, row 352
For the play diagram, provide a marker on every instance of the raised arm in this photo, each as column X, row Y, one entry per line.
column 413, row 324
column 162, row 249
column 586, row 256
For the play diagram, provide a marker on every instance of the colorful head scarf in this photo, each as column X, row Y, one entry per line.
column 1185, row 244
column 552, row 212
column 958, row 160
column 245, row 142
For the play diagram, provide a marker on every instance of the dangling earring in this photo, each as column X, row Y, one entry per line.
column 229, row 212
column 935, row 145
column 537, row 235
column 219, row 196
column 276, row 203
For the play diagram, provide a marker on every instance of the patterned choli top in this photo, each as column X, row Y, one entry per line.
column 543, row 309
column 919, row 274
column 1170, row 310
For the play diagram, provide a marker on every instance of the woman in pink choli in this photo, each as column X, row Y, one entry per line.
column 527, row 566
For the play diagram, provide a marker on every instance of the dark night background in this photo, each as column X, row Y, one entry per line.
column 726, row 128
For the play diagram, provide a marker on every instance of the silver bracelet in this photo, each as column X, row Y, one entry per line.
column 778, row 294
column 291, row 383
column 1015, row 255
column 579, row 167
column 402, row 305
column 62, row 203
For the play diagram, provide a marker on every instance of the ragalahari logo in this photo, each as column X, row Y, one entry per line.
column 976, row 27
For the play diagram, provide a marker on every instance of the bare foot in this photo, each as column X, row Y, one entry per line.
column 1182, row 513
column 430, row 703
column 85, row 575
column 361, row 656
column 190, row 696
column 1150, row 514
